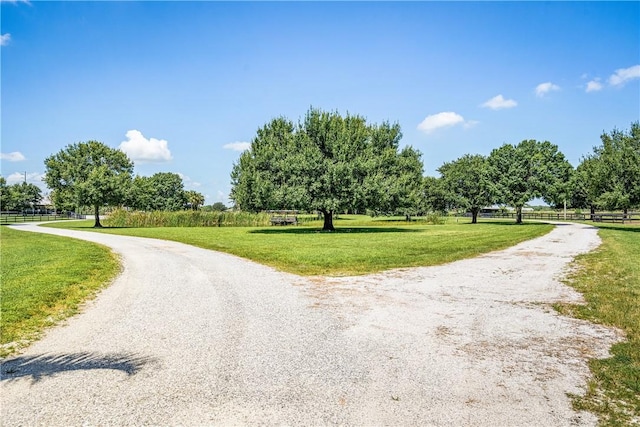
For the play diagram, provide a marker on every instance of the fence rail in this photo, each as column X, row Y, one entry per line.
column 13, row 218
column 559, row 216
column 617, row 217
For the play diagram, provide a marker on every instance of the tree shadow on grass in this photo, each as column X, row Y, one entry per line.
column 47, row 365
column 633, row 227
column 354, row 230
column 504, row 222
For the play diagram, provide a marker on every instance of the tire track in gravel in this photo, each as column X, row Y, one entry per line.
column 187, row 336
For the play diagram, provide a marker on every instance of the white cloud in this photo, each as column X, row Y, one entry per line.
column 623, row 75
column 440, row 120
column 14, row 156
column 4, row 39
column 187, row 181
column 141, row 149
column 498, row 102
column 32, row 178
column 470, row 123
column 237, row 146
column 594, row 85
column 543, row 88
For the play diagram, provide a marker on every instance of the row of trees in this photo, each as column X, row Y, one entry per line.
column 331, row 163
column 609, row 178
column 93, row 174
column 510, row 175
column 19, row 197
column 163, row 191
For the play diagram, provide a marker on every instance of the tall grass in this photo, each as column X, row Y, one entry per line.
column 122, row 218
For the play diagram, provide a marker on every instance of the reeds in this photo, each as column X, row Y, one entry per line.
column 137, row 219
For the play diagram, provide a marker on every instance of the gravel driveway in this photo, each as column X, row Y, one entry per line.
column 187, row 336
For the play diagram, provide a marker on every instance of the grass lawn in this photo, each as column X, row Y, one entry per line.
column 351, row 250
column 44, row 279
column 609, row 278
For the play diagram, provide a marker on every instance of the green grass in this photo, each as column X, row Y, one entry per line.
column 609, row 278
column 352, row 249
column 45, row 279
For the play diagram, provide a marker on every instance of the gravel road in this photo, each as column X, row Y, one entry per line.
column 187, row 336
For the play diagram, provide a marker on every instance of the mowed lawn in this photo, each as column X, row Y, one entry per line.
column 44, row 279
column 609, row 278
column 351, row 250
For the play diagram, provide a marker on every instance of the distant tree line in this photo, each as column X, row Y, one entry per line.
column 329, row 163
column 19, row 197
column 334, row 164
column 93, row 174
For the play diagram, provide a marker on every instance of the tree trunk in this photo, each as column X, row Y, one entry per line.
column 518, row 214
column 328, row 221
column 97, row 212
column 593, row 212
column 474, row 216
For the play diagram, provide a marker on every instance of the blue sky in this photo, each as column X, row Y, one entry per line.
column 180, row 86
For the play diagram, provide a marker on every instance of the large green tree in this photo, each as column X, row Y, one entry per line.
column 162, row 191
column 19, row 197
column 140, row 194
column 526, row 171
column 328, row 163
column 89, row 173
column 25, row 195
column 469, row 180
column 615, row 173
column 584, row 190
column 435, row 195
column 168, row 191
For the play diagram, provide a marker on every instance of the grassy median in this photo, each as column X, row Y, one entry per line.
column 45, row 279
column 350, row 250
column 609, row 279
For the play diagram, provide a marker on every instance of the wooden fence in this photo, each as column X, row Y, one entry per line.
column 617, row 217
column 13, row 218
column 630, row 217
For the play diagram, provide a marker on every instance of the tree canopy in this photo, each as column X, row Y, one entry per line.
column 89, row 173
column 18, row 197
column 615, row 171
column 470, row 182
column 162, row 191
column 528, row 170
column 194, row 199
column 327, row 163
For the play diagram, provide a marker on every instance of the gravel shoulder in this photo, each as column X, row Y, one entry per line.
column 187, row 336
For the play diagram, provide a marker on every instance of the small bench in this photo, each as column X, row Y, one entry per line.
column 284, row 217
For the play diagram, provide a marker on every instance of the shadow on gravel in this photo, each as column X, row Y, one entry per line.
column 47, row 365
